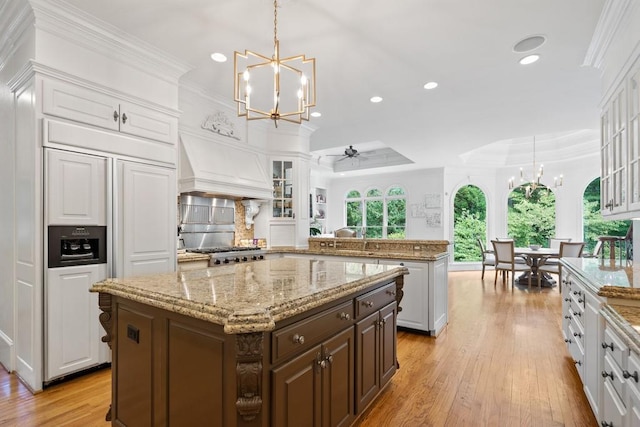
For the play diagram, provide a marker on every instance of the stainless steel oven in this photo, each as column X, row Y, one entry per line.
column 76, row 245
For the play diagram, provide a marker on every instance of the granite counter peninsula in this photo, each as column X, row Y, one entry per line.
column 282, row 342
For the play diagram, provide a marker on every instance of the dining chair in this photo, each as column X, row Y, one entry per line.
column 488, row 258
column 506, row 261
column 554, row 242
column 567, row 250
column 597, row 249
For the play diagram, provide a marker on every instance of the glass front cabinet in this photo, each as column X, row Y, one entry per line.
column 283, row 186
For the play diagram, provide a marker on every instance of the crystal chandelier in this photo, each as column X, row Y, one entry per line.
column 533, row 183
column 273, row 87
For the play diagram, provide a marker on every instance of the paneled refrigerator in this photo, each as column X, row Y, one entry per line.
column 130, row 207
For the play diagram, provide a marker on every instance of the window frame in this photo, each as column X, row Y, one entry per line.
column 384, row 197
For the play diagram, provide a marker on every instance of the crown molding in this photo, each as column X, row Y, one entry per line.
column 15, row 19
column 78, row 27
column 610, row 21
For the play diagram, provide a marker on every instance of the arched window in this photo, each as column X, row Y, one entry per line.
column 531, row 216
column 594, row 224
column 469, row 223
column 377, row 215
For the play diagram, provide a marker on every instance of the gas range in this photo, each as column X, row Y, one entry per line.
column 231, row 254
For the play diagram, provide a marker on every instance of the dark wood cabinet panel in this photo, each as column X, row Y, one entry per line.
column 338, row 382
column 388, row 349
column 367, row 355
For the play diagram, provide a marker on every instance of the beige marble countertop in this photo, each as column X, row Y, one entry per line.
column 251, row 297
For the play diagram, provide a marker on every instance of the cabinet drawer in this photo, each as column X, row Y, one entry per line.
column 614, row 347
column 306, row 333
column 612, row 374
column 633, row 373
column 372, row 301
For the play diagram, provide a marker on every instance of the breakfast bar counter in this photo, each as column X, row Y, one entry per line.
column 251, row 344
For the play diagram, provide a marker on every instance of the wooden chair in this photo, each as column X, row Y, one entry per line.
column 567, row 250
column 506, row 261
column 597, row 249
column 554, row 242
column 488, row 258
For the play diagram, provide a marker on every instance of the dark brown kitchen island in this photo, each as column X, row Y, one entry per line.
column 279, row 342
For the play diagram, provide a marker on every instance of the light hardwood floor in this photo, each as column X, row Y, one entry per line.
column 501, row 361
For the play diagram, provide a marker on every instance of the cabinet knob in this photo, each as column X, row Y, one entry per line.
column 115, row 116
column 606, row 424
column 605, row 345
column 568, row 340
column 567, row 299
column 345, row 316
column 577, row 334
column 606, row 374
column 298, row 339
column 577, row 313
column 330, row 358
column 124, row 118
column 577, row 362
column 393, row 293
column 567, row 317
column 322, row 363
column 628, row 375
column 367, row 303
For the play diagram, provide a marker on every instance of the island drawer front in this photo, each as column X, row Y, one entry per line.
column 615, row 347
column 372, row 301
column 306, row 333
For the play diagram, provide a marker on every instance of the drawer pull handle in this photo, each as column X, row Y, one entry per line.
column 627, row 375
column 606, row 424
column 393, row 293
column 606, row 374
column 568, row 341
column 577, row 313
column 115, row 116
column 567, row 299
column 580, row 300
column 577, row 334
column 298, row 339
column 577, row 362
column 577, row 292
column 567, row 317
column 124, row 118
column 367, row 303
column 345, row 316
column 605, row 345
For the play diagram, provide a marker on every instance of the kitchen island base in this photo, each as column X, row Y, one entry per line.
column 323, row 366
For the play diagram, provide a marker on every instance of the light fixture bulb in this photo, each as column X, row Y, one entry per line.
column 530, row 59
column 431, row 85
column 246, row 75
column 219, row 57
column 303, row 80
column 376, row 99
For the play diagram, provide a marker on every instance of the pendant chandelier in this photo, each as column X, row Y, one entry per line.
column 533, row 183
column 274, row 88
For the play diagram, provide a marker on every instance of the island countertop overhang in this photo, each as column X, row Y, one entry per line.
column 253, row 297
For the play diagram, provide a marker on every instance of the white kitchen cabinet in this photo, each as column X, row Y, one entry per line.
column 76, row 191
column 582, row 328
column 85, row 105
column 146, row 212
column 73, row 332
column 289, row 222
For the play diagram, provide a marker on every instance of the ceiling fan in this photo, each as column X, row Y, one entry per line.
column 349, row 153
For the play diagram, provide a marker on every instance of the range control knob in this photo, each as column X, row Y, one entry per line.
column 254, row 258
column 217, row 262
column 237, row 259
column 226, row 261
column 261, row 257
column 244, row 258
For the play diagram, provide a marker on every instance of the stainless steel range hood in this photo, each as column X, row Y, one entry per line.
column 218, row 169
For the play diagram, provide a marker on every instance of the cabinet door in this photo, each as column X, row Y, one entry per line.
column 415, row 302
column 141, row 121
column 297, row 391
column 73, row 330
column 634, row 138
column 146, row 202
column 80, row 104
column 76, row 189
column 613, row 190
column 388, row 352
column 337, row 384
column 593, row 328
column 367, row 360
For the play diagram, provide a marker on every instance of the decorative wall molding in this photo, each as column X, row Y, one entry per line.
column 220, row 123
column 611, row 19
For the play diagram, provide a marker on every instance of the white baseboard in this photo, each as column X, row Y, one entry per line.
column 7, row 356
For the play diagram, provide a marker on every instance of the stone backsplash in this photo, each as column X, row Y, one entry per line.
column 382, row 246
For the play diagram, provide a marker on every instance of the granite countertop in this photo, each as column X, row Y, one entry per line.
column 417, row 256
column 251, row 297
column 190, row 257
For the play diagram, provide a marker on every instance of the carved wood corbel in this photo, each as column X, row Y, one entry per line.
column 249, row 349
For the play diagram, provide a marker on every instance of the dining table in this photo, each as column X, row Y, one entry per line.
column 534, row 258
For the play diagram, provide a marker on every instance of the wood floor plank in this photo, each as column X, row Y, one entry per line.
column 501, row 361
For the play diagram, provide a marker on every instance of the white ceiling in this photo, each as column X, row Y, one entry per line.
column 391, row 49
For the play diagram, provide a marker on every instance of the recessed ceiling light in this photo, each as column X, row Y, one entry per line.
column 529, row 59
column 316, row 114
column 376, row 99
column 218, row 57
column 528, row 44
column 431, row 85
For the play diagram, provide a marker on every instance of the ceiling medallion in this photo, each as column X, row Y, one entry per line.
column 272, row 87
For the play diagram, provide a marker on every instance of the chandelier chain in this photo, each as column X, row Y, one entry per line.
column 275, row 22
